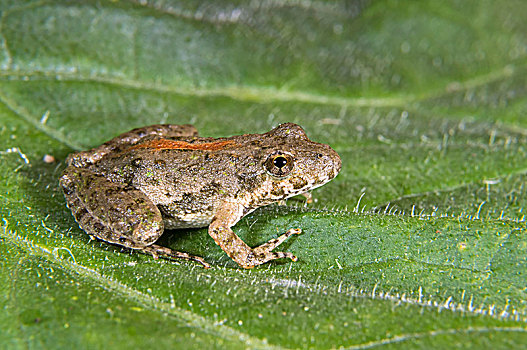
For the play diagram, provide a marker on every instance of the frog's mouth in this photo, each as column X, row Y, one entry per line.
column 290, row 186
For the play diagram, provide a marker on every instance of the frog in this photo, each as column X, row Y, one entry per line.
column 132, row 188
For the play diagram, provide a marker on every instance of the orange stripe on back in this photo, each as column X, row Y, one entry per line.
column 171, row 144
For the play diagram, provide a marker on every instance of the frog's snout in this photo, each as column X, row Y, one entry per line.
column 336, row 163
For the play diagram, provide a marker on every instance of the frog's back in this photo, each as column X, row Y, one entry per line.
column 187, row 178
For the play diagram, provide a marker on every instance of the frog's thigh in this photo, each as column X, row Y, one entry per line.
column 110, row 211
column 247, row 257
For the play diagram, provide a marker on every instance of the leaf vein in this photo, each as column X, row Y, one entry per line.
column 25, row 115
column 413, row 336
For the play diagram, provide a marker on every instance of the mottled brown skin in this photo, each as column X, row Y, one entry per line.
column 131, row 188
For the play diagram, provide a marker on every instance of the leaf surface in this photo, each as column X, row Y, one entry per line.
column 419, row 242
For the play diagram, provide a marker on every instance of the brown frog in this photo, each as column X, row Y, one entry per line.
column 131, row 188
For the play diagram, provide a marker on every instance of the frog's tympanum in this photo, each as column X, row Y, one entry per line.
column 133, row 187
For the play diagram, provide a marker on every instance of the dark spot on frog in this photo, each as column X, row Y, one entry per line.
column 81, row 213
column 67, row 190
column 136, row 163
column 278, row 191
column 256, row 144
column 99, row 227
column 298, row 183
column 112, row 191
column 87, row 181
column 140, row 200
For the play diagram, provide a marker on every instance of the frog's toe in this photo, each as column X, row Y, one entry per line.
column 203, row 262
column 293, row 231
column 281, row 255
column 159, row 251
column 261, row 258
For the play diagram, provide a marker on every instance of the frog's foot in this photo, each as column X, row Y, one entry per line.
column 220, row 230
column 157, row 251
column 246, row 256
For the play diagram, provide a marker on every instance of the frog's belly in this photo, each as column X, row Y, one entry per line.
column 187, row 220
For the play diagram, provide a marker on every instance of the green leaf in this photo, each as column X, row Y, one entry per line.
column 418, row 243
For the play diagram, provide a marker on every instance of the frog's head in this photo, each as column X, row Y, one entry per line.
column 294, row 164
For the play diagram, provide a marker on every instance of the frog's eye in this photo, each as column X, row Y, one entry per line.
column 279, row 164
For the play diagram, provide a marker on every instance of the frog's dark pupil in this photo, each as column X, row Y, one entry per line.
column 280, row 162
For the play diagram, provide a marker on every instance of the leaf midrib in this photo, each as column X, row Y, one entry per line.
column 264, row 94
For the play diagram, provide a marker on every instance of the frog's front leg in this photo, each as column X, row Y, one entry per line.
column 116, row 213
column 238, row 250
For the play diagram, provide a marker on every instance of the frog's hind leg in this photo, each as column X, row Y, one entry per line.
column 157, row 250
column 116, row 214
